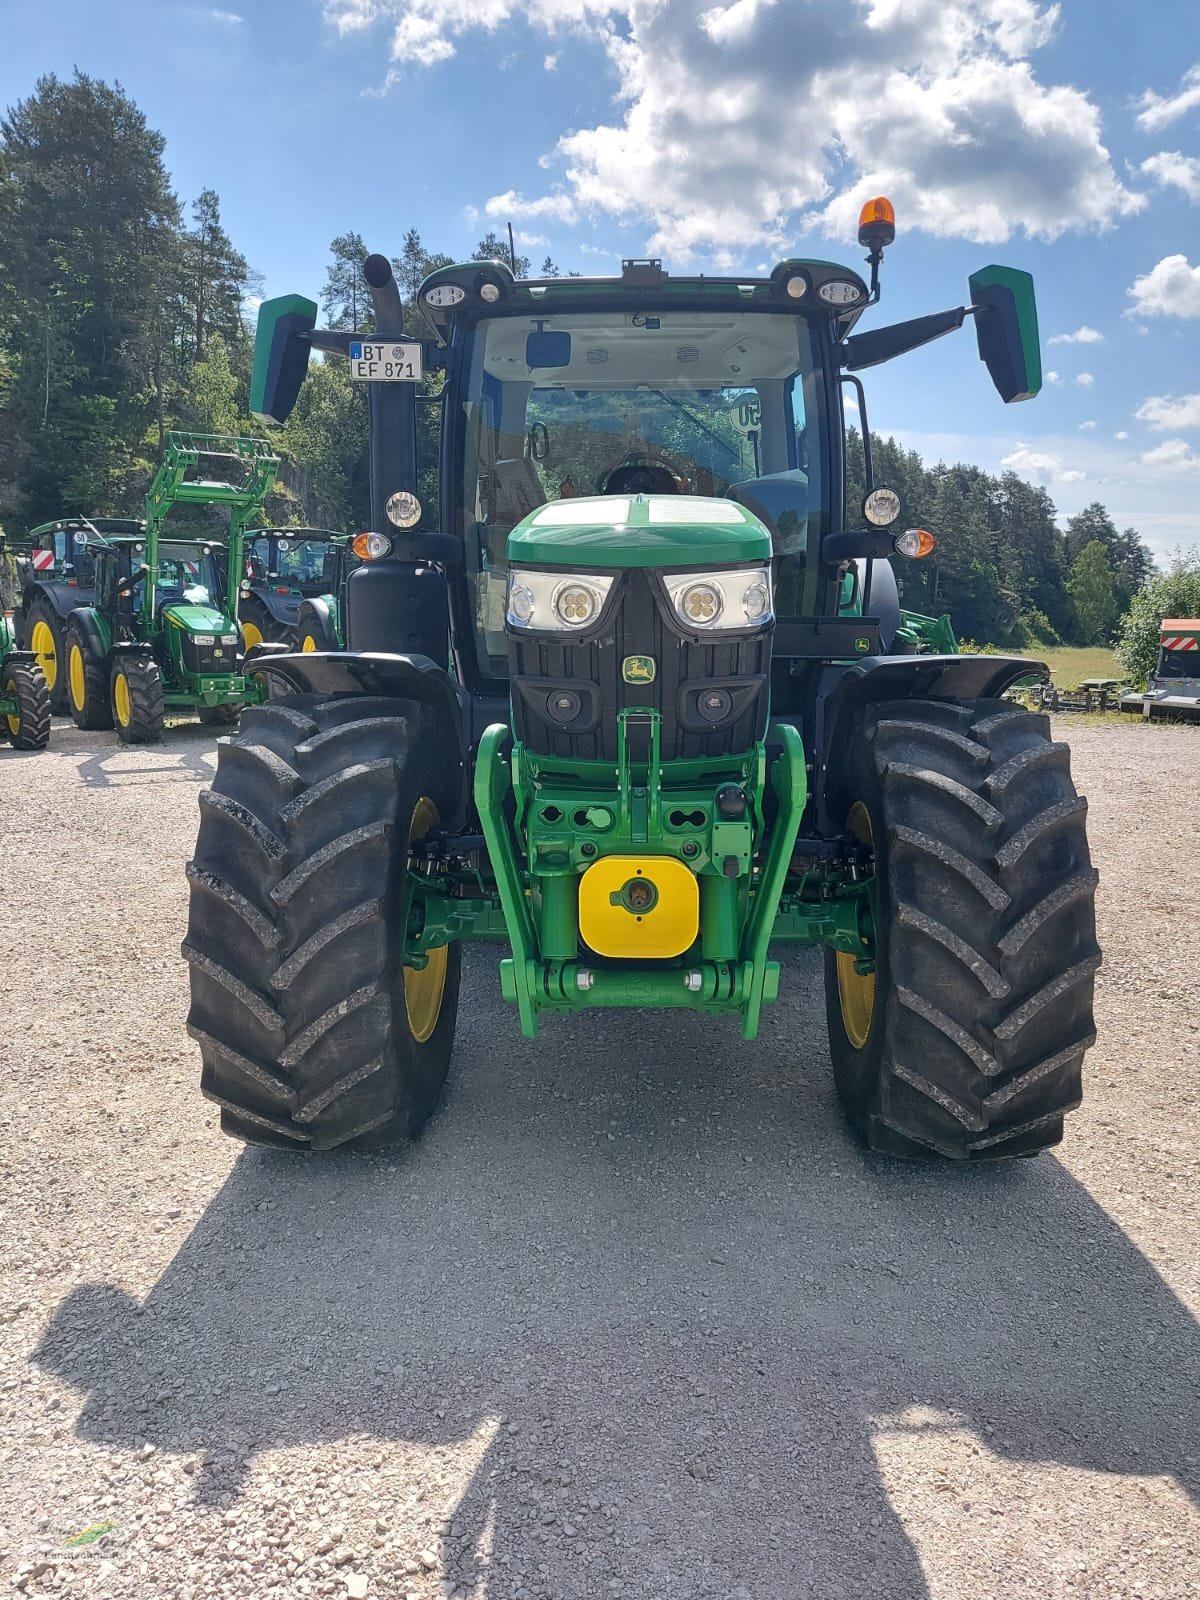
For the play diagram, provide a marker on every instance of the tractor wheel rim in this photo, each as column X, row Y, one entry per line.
column 122, row 701
column 13, row 722
column 856, row 990
column 251, row 635
column 424, row 987
column 308, row 644
column 77, row 678
column 41, row 642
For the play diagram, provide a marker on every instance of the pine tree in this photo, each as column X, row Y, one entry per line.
column 1094, row 594
column 493, row 248
column 213, row 276
column 345, row 299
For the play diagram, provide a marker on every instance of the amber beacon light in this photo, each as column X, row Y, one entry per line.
column 877, row 223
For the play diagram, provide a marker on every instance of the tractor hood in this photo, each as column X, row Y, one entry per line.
column 657, row 530
column 196, row 619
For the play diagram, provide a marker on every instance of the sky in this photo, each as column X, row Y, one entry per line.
column 725, row 135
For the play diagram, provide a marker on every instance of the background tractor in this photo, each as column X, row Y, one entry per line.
column 291, row 593
column 24, row 697
column 56, row 575
column 643, row 705
column 161, row 630
column 1173, row 690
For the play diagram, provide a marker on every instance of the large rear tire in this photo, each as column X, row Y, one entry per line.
column 968, row 1039
column 312, row 1032
column 87, row 682
column 29, row 728
column 45, row 635
column 260, row 627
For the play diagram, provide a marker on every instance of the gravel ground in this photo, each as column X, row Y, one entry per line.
column 636, row 1318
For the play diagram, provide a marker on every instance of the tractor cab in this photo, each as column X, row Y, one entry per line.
column 287, row 570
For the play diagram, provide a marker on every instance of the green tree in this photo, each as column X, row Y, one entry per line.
column 1094, row 594
column 345, row 299
column 88, row 235
column 1127, row 555
column 414, row 264
column 549, row 269
column 213, row 391
column 493, row 248
column 213, row 276
column 1174, row 593
column 327, row 435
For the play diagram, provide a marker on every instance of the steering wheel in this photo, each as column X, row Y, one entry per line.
column 641, row 472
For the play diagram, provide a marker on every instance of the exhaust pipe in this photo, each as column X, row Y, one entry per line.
column 385, row 296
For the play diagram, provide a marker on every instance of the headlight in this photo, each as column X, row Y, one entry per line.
column 552, row 602
column 371, row 546
column 720, row 600
column 204, row 638
column 229, row 638
column 403, row 509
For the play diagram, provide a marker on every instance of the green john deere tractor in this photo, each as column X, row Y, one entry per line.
column 160, row 632
column 24, row 696
column 643, row 707
column 291, row 592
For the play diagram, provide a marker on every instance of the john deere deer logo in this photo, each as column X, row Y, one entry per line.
column 639, row 669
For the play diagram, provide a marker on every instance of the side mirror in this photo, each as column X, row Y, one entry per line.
column 280, row 355
column 1006, row 327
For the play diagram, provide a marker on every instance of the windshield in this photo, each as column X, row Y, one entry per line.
column 191, row 572
column 294, row 561
column 1178, row 664
column 712, row 403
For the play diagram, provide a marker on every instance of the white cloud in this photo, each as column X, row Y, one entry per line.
column 1167, row 411
column 1051, row 377
column 740, row 121
column 1173, row 455
column 550, row 62
column 227, row 19
column 1086, row 427
column 1170, row 289
column 1084, row 335
column 1085, row 380
column 1121, row 435
column 1173, row 167
column 1158, row 110
column 1041, row 465
column 511, row 204
column 530, row 238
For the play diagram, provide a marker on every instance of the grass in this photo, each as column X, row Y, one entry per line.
column 1069, row 667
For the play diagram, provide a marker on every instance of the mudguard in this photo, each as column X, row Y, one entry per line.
column 284, row 608
column 844, row 693
column 96, row 636
column 346, row 672
column 321, row 612
column 62, row 598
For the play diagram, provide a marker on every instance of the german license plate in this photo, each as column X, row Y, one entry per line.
column 385, row 362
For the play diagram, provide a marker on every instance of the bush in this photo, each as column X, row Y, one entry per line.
column 1174, row 593
column 1039, row 630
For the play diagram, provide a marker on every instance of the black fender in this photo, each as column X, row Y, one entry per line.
column 282, row 608
column 60, row 597
column 404, row 677
column 844, row 693
column 132, row 647
column 318, row 609
column 85, row 619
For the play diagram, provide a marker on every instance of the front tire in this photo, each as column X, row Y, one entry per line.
column 312, row 1032
column 260, row 627
column 137, row 699
column 971, row 1042
column 29, row 728
column 87, row 683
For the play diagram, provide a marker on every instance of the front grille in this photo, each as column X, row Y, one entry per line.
column 208, row 658
column 566, row 692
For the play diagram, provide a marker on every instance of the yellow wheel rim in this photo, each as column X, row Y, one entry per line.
column 41, row 642
column 856, row 990
column 425, row 986
column 14, row 723
column 308, row 644
column 77, row 678
column 122, row 703
column 251, row 635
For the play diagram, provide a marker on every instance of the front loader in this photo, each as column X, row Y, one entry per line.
column 641, row 708
column 161, row 632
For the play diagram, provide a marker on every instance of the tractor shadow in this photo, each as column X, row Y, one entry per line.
column 186, row 753
column 651, row 1263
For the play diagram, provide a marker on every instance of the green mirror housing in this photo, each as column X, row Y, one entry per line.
column 280, row 355
column 1006, row 327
